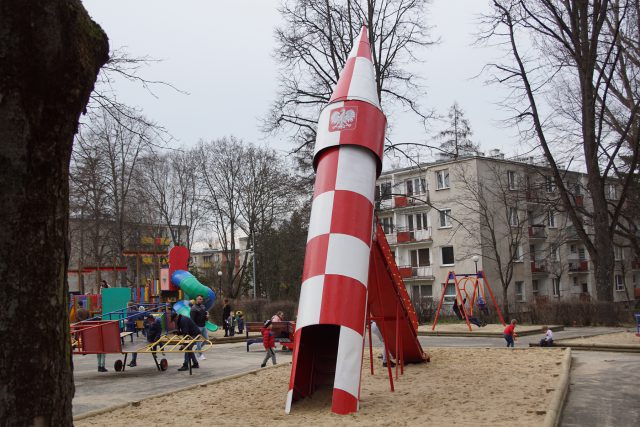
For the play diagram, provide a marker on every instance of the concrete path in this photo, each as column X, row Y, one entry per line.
column 604, row 390
column 95, row 390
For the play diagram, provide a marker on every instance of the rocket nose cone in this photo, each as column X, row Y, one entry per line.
column 357, row 79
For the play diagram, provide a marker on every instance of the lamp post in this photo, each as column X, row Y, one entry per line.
column 220, row 283
column 475, row 259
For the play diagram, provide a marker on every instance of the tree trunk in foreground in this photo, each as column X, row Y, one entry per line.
column 50, row 55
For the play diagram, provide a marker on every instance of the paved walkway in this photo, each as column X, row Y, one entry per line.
column 95, row 390
column 604, row 390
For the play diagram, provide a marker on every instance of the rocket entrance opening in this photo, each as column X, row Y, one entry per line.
column 316, row 362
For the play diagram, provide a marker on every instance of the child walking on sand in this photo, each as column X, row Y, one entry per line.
column 510, row 333
column 269, row 342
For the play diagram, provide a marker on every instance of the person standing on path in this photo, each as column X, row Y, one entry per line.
column 226, row 312
column 186, row 326
column 199, row 315
column 510, row 333
column 154, row 332
column 269, row 343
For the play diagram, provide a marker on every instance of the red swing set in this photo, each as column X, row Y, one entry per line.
column 477, row 290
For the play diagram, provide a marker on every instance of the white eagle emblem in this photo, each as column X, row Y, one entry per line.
column 342, row 118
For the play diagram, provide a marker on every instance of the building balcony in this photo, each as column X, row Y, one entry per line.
column 537, row 232
column 404, row 236
column 415, row 273
column 578, row 266
column 538, row 267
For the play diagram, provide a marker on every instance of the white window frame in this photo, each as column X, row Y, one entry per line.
column 550, row 184
column 442, row 263
column 511, row 180
column 535, row 290
column 513, row 217
column 618, row 254
column 443, row 179
column 551, row 218
column 619, row 284
column 520, row 297
column 555, row 286
column 612, row 192
column 519, row 254
column 447, row 217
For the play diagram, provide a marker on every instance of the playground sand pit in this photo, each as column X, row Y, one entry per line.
column 627, row 338
column 497, row 387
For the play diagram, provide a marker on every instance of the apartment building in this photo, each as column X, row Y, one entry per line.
column 440, row 216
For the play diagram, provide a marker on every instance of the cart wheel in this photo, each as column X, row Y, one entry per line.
column 164, row 364
column 118, row 365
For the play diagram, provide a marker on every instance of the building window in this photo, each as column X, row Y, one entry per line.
column 551, row 217
column 416, row 186
column 519, row 254
column 555, row 254
column 419, row 221
column 612, row 191
column 387, row 224
column 420, row 257
column 511, row 180
column 585, row 288
column 519, row 291
column 550, row 184
column 421, row 292
column 445, row 218
column 556, row 287
column 617, row 253
column 447, row 255
column 573, row 249
column 442, row 179
column 409, row 187
column 535, row 287
column 383, row 191
column 582, row 255
column 513, row 217
column 619, row 282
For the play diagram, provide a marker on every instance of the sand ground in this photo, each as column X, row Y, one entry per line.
column 618, row 338
column 462, row 386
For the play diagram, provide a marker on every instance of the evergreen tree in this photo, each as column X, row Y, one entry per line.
column 456, row 139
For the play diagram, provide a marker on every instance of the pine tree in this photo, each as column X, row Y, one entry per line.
column 456, row 139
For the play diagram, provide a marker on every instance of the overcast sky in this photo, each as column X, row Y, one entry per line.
column 220, row 52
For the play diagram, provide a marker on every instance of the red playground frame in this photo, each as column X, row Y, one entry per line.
column 461, row 287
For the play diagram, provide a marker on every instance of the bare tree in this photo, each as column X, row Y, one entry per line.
column 456, row 139
column 119, row 144
column 89, row 194
column 220, row 169
column 170, row 185
column 563, row 90
column 51, row 52
column 314, row 43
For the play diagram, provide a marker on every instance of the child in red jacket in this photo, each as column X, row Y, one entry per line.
column 510, row 333
column 269, row 342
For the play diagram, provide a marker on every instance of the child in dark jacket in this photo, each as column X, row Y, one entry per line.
column 269, row 342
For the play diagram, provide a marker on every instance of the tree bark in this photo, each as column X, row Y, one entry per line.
column 50, row 55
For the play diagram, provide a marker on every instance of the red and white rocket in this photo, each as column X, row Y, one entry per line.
column 333, row 297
